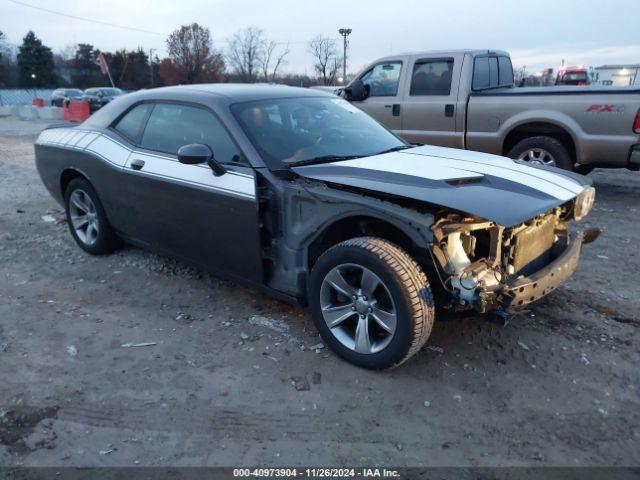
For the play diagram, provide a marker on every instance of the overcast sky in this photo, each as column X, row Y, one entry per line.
column 538, row 33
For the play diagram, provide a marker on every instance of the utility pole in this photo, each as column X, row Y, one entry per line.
column 151, row 65
column 345, row 33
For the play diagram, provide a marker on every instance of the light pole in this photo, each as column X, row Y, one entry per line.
column 151, row 64
column 345, row 33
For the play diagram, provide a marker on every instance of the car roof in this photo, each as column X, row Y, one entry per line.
column 443, row 53
column 216, row 95
column 238, row 92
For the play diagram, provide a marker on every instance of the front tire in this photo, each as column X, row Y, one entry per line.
column 542, row 150
column 87, row 219
column 371, row 302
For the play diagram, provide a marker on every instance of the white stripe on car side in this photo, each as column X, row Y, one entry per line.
column 156, row 165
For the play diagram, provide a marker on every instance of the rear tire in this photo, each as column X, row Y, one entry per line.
column 542, row 150
column 385, row 294
column 87, row 219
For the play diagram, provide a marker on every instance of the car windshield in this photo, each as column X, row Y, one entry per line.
column 111, row 91
column 289, row 131
column 75, row 92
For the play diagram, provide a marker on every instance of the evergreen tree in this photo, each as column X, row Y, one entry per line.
column 86, row 70
column 35, row 62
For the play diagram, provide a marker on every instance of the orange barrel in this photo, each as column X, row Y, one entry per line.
column 79, row 110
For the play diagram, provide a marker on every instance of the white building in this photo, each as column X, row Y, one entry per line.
column 617, row 75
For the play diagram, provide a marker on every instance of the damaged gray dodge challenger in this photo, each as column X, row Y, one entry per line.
column 303, row 195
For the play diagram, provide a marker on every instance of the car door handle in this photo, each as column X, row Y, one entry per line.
column 137, row 164
column 395, row 109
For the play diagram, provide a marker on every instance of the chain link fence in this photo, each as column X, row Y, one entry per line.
column 18, row 96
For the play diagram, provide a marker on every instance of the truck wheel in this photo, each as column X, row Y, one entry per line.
column 542, row 151
column 371, row 302
column 87, row 220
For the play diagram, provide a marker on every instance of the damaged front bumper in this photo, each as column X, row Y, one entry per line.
column 519, row 292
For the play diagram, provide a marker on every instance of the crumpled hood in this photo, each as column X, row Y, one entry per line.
column 495, row 188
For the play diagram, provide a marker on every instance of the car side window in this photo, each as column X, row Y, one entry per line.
column 383, row 79
column 131, row 124
column 432, row 77
column 172, row 126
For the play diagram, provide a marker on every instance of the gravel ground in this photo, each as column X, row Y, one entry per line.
column 232, row 378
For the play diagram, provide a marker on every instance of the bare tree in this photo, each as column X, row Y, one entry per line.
column 192, row 54
column 325, row 58
column 246, row 52
column 272, row 60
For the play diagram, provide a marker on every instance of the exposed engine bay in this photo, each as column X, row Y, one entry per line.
column 486, row 266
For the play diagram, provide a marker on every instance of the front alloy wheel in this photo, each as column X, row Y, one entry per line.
column 358, row 309
column 371, row 302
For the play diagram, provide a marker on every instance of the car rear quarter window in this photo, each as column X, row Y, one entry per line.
column 432, row 77
column 171, row 126
column 131, row 124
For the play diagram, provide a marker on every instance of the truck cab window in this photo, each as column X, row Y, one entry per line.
column 492, row 72
column 432, row 77
column 383, row 79
column 505, row 71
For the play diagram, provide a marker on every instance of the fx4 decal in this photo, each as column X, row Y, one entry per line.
column 605, row 109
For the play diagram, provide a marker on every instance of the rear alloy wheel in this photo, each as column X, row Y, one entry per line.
column 87, row 220
column 538, row 156
column 371, row 302
column 546, row 151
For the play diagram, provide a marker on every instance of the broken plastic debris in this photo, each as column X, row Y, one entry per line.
column 144, row 344
column 271, row 323
column 48, row 218
column 72, row 350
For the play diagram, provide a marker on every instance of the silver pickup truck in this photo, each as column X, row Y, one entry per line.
column 467, row 99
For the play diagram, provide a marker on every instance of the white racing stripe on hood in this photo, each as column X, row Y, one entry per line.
column 408, row 165
column 497, row 161
column 441, row 168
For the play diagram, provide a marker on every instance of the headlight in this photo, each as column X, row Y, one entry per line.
column 583, row 203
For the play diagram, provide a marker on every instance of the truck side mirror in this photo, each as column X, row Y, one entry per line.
column 356, row 91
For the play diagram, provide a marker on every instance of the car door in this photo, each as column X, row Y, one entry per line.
column 430, row 108
column 385, row 95
column 185, row 210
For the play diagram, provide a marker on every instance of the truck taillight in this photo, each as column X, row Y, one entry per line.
column 636, row 123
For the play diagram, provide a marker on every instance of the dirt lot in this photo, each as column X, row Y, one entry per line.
column 231, row 379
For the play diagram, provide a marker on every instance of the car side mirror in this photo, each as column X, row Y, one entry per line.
column 197, row 153
column 356, row 91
